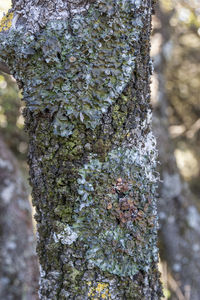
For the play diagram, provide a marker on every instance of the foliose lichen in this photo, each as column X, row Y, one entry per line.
column 124, row 184
column 85, row 77
column 66, row 237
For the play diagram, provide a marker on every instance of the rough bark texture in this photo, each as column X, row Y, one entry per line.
column 85, row 78
column 4, row 67
column 18, row 261
column 179, row 217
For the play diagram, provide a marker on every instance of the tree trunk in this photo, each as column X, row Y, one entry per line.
column 179, row 216
column 85, row 68
column 19, row 268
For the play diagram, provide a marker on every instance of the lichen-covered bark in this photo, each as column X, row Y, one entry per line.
column 92, row 155
column 179, row 215
column 18, row 261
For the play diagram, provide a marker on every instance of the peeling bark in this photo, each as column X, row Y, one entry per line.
column 85, row 73
column 19, row 269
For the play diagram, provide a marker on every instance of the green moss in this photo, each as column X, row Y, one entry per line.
column 64, row 212
column 73, row 273
column 119, row 117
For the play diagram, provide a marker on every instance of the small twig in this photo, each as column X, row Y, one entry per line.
column 175, row 287
column 193, row 129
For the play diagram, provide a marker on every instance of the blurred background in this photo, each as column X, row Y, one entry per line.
column 176, row 124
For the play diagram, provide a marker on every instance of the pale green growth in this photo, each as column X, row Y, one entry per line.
column 6, row 22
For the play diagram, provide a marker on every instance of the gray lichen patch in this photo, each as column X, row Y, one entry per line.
column 94, row 58
column 123, row 186
column 66, row 237
column 34, row 15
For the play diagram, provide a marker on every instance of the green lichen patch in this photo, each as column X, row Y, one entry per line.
column 118, row 194
column 94, row 58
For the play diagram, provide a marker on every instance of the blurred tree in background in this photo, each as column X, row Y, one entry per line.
column 11, row 120
column 178, row 206
column 18, row 260
column 183, row 86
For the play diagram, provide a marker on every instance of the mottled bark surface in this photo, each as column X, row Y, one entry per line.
column 179, row 217
column 85, row 76
column 18, row 261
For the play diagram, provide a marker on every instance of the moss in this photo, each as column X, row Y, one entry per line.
column 64, row 212
column 119, row 117
column 101, row 147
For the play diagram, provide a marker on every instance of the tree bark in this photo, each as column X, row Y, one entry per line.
column 85, row 71
column 4, row 68
column 19, row 267
column 179, row 216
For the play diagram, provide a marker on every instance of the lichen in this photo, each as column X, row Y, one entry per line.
column 102, row 63
column 99, row 291
column 66, row 237
column 6, row 22
column 130, row 176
